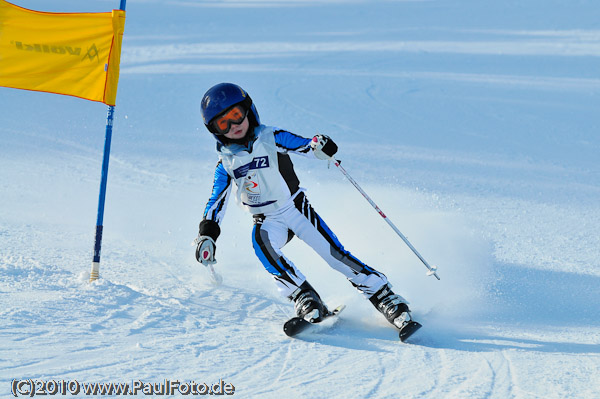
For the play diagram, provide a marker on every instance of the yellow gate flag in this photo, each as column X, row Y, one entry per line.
column 75, row 54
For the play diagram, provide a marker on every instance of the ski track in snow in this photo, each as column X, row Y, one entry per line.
column 474, row 127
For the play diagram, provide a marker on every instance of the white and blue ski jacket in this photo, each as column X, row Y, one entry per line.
column 262, row 173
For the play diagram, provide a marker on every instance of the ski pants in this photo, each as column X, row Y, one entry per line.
column 272, row 232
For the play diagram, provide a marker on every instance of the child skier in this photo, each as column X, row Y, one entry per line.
column 255, row 159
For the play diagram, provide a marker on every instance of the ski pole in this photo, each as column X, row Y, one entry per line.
column 432, row 269
column 215, row 277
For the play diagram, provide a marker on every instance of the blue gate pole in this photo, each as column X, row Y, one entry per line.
column 95, row 273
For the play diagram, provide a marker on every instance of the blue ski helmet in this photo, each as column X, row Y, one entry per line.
column 223, row 96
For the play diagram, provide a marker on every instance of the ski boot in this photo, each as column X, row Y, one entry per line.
column 395, row 310
column 308, row 304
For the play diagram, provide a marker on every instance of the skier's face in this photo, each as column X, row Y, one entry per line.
column 238, row 131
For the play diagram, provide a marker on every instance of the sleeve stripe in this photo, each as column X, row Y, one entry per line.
column 217, row 203
column 291, row 142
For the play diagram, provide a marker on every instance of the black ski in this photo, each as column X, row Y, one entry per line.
column 296, row 325
column 408, row 329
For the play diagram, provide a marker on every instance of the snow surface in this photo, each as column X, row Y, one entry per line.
column 473, row 124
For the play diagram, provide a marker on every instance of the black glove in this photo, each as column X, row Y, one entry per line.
column 323, row 147
column 205, row 250
column 208, row 233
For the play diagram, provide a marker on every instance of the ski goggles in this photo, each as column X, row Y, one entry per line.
column 234, row 116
